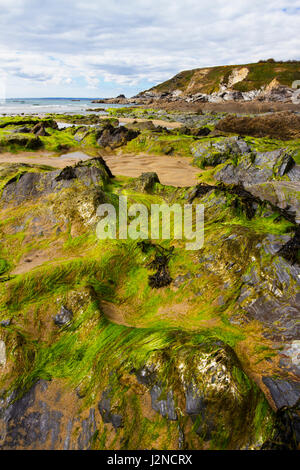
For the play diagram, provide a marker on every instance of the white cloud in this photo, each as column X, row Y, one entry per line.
column 139, row 41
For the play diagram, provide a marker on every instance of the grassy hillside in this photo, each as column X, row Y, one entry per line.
column 208, row 80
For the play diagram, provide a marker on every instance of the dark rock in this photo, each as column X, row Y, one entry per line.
column 142, row 126
column 294, row 173
column 194, row 401
column 257, row 168
column 114, row 137
column 28, row 142
column 285, row 164
column 166, row 406
column 39, row 129
column 64, row 317
column 147, row 181
column 104, row 407
column 286, row 434
column 30, row 422
column 97, row 163
column 81, row 134
column 202, row 132
column 26, row 427
column 28, row 185
column 146, row 375
column 67, row 173
column 283, row 393
column 22, row 130
column 214, row 153
column 290, row 251
column 88, row 430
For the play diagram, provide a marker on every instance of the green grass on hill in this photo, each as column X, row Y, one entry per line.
column 207, row 80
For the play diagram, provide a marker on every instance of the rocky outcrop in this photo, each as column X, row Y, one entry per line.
column 28, row 142
column 166, row 374
column 255, row 168
column 38, row 421
column 32, row 184
column 214, row 153
column 146, row 182
column 211, row 391
column 284, row 194
column 114, row 137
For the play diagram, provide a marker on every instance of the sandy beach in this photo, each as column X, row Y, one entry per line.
column 175, row 171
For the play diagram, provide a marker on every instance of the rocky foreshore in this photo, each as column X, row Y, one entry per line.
column 276, row 94
column 133, row 344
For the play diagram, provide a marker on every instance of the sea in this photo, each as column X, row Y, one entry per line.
column 14, row 106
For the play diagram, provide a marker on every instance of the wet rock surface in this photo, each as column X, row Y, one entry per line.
column 214, row 153
column 181, row 379
column 163, row 406
column 105, row 410
column 257, row 168
column 31, row 184
column 146, row 182
column 284, row 393
column 114, row 137
column 64, row 317
column 36, row 421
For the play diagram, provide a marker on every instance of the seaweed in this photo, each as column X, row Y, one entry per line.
column 290, row 251
column 67, row 173
column 161, row 278
column 243, row 199
column 286, row 429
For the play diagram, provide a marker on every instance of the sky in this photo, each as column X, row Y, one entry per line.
column 101, row 48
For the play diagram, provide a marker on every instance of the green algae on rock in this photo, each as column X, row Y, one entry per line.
column 203, row 361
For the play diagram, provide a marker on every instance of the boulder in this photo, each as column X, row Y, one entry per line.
column 284, row 393
column 107, row 415
column 81, row 134
column 284, row 194
column 22, row 130
column 39, row 130
column 64, row 317
column 142, row 126
column 257, row 168
column 114, row 137
column 214, row 153
column 31, row 184
column 28, row 142
column 146, row 182
column 163, row 406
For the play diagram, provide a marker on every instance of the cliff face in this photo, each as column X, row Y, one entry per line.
column 270, row 81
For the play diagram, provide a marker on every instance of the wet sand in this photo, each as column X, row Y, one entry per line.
column 175, row 171
column 156, row 122
column 43, row 158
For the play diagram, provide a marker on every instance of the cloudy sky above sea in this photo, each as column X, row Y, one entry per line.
column 101, row 48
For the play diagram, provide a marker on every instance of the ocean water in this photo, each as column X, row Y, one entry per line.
column 13, row 106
